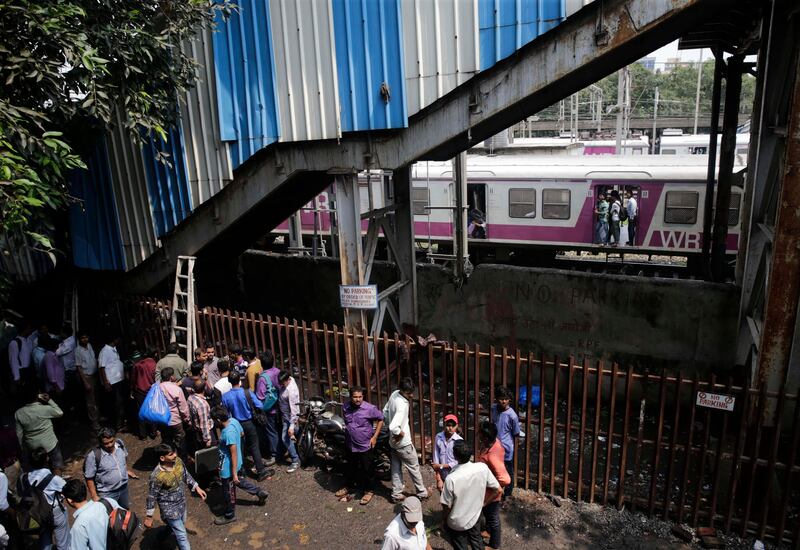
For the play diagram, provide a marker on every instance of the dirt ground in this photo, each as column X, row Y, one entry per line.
column 302, row 512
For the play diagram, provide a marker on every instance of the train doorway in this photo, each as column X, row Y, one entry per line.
column 477, row 219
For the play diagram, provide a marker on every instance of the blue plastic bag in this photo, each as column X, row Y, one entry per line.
column 536, row 394
column 155, row 408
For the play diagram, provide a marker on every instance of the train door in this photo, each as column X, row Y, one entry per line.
column 627, row 229
column 476, row 200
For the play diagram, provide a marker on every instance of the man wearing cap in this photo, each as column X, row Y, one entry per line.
column 443, row 459
column 407, row 530
column 466, row 489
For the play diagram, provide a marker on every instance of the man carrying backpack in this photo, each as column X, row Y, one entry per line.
column 41, row 505
column 106, row 469
column 91, row 519
column 267, row 391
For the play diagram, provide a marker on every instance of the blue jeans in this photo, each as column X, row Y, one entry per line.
column 601, row 232
column 59, row 536
column 178, row 527
column 287, row 441
column 510, row 487
column 273, row 432
column 120, row 495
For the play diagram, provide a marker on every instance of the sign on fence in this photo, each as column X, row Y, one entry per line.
column 358, row 296
column 715, row 401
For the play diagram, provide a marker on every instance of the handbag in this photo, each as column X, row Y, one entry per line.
column 206, row 460
column 259, row 416
column 155, row 408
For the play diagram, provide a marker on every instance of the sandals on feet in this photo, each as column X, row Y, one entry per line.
column 341, row 493
column 366, row 498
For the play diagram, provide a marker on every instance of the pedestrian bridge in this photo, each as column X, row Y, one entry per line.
column 290, row 93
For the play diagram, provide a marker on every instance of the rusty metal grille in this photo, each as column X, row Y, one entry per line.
column 601, row 433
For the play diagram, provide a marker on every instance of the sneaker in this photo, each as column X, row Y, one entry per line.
column 270, row 461
column 269, row 472
column 222, row 520
column 262, row 498
column 292, row 468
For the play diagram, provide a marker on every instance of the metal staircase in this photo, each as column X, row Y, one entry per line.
column 183, row 307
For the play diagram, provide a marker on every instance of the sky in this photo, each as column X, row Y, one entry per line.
column 671, row 50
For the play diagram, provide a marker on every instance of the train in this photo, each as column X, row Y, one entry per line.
column 546, row 203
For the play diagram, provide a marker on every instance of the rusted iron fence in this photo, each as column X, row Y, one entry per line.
column 597, row 432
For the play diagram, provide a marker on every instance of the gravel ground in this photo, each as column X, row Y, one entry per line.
column 302, row 512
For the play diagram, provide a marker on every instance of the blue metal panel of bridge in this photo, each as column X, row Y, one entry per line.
column 167, row 184
column 369, row 56
column 245, row 70
column 507, row 25
column 94, row 228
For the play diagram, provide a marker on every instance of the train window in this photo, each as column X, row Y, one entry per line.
column 521, row 203
column 667, row 151
column 681, row 207
column 420, row 198
column 733, row 210
column 555, row 204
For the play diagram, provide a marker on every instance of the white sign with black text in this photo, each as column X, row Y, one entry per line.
column 358, row 296
column 715, row 401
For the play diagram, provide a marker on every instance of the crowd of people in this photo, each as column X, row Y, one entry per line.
column 239, row 406
column 611, row 214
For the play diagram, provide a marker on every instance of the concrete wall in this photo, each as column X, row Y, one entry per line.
column 647, row 322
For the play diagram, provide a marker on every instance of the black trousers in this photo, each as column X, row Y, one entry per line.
column 470, row 539
column 633, row 225
column 491, row 513
column 253, row 444
column 361, row 470
column 175, row 436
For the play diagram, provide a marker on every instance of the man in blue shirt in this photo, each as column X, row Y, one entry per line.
column 507, row 423
column 90, row 525
column 239, row 403
column 106, row 469
column 230, row 465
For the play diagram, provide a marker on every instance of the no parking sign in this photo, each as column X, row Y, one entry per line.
column 715, row 401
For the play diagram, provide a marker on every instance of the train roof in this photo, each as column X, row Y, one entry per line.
column 699, row 139
column 625, row 167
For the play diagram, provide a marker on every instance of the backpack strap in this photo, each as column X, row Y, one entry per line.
column 43, row 483
column 107, row 505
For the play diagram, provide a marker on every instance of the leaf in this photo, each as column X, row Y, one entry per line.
column 41, row 239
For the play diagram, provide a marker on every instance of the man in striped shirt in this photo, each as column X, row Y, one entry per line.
column 200, row 417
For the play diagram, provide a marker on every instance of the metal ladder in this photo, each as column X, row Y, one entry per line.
column 183, row 307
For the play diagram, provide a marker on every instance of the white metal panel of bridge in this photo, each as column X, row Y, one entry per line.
column 208, row 160
column 306, row 82
column 441, row 48
column 129, row 183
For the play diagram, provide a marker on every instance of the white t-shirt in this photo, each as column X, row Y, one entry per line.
column 398, row 537
column 109, row 360
column 396, row 414
column 464, row 490
column 223, row 385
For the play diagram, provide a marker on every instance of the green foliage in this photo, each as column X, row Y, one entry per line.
column 67, row 66
column 676, row 88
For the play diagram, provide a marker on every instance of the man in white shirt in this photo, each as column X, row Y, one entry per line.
column 112, row 374
column 407, row 530
column 633, row 217
column 467, row 488
column 223, row 385
column 19, row 355
column 86, row 367
column 403, row 452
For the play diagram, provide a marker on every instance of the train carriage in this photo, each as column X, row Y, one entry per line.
column 547, row 203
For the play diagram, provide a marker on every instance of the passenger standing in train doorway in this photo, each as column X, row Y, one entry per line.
column 633, row 217
column 601, row 225
column 613, row 216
